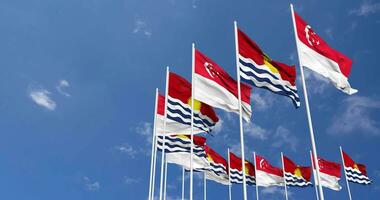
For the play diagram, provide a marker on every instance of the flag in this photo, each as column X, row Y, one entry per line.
column 217, row 170
column 177, row 150
column 217, row 88
column 355, row 172
column 261, row 71
column 315, row 54
column 296, row 175
column 236, row 174
column 179, row 107
column 172, row 126
column 329, row 174
column 268, row 175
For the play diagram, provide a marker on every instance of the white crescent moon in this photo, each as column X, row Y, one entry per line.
column 261, row 163
column 207, row 69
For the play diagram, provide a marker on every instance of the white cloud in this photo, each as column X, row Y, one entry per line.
column 62, row 84
column 356, row 116
column 283, row 137
column 130, row 180
column 91, row 185
column 274, row 191
column 329, row 32
column 145, row 129
column 262, row 101
column 218, row 127
column 315, row 83
column 366, row 8
column 127, row 149
column 41, row 97
column 194, row 4
column 142, row 28
column 255, row 131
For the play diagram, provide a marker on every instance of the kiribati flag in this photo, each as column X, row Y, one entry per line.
column 259, row 70
column 178, row 148
column 217, row 170
column 355, row 172
column 179, row 107
column 236, row 174
column 296, row 175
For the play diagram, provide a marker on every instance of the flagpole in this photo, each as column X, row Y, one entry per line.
column 314, row 177
column 166, row 177
column 257, row 186
column 229, row 176
column 345, row 174
column 192, row 120
column 283, row 172
column 164, row 134
column 204, row 187
column 155, row 159
column 152, row 160
column 240, row 112
column 315, row 155
column 183, row 183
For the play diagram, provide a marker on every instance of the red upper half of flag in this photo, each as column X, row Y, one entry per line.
column 329, row 167
column 297, row 170
column 264, row 165
column 235, row 163
column 161, row 105
column 207, row 68
column 349, row 162
column 249, row 49
column 216, row 158
column 180, row 88
column 309, row 38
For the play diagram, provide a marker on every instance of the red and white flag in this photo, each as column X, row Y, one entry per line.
column 329, row 174
column 268, row 175
column 217, row 88
column 317, row 55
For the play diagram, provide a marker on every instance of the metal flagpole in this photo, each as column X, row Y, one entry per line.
column 166, row 177
column 164, row 134
column 240, row 112
column 192, row 120
column 283, row 171
column 152, row 160
column 345, row 174
column 314, row 176
column 204, row 186
column 257, row 186
column 229, row 176
column 183, row 183
column 315, row 155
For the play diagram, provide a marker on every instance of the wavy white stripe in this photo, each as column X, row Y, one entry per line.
column 279, row 81
column 189, row 107
column 269, row 86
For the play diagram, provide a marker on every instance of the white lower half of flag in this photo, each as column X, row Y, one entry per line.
column 325, row 67
column 183, row 159
column 330, row 181
column 355, row 176
column 215, row 95
column 265, row 179
column 219, row 178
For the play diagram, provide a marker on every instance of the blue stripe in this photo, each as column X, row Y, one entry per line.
column 254, row 68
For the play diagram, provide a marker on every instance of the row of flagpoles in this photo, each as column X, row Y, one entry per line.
column 186, row 108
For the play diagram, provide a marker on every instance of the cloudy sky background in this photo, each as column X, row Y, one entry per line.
column 78, row 78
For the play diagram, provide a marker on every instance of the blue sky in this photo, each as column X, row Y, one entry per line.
column 77, row 88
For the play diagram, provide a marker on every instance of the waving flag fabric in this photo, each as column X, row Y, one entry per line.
column 236, row 174
column 318, row 56
column 217, row 170
column 259, row 70
column 172, row 126
column 268, row 175
column 179, row 107
column 355, row 172
column 217, row 88
column 177, row 150
column 296, row 175
column 329, row 174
